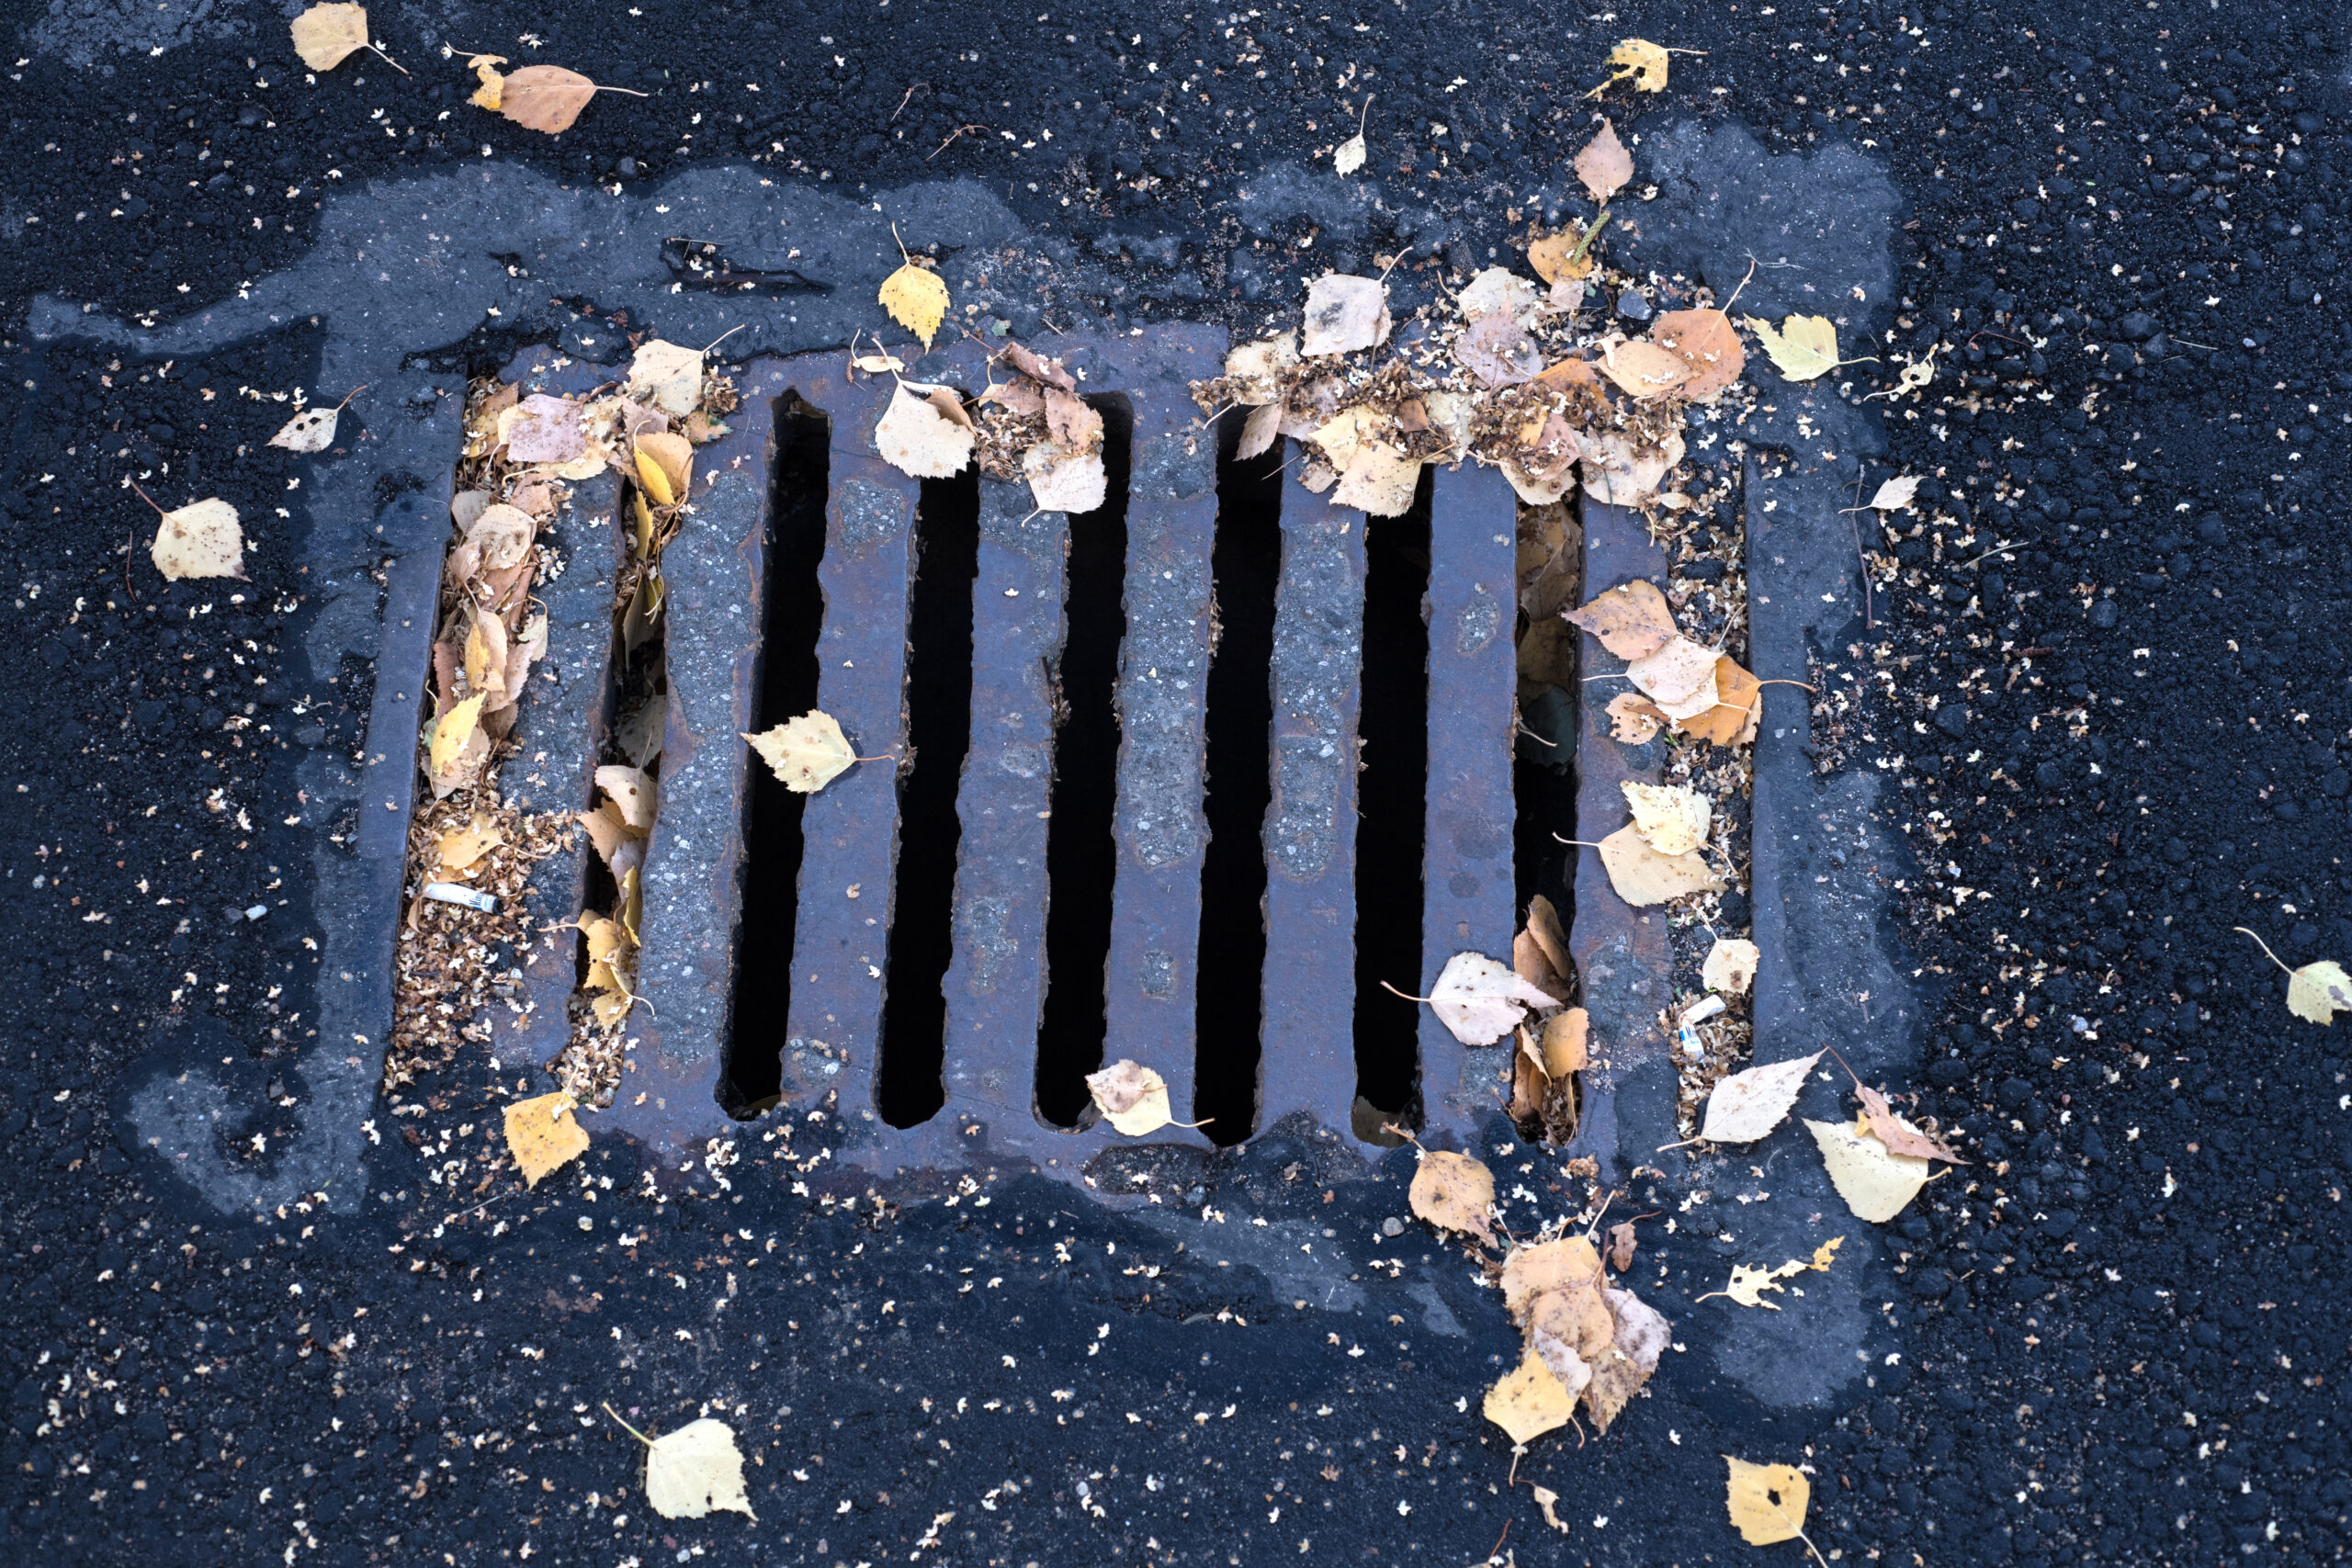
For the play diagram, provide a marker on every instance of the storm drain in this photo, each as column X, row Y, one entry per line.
column 1181, row 780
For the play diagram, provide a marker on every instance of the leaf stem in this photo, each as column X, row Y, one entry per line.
column 626, row 1427
column 2257, row 940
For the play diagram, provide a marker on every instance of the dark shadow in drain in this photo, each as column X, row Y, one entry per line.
column 751, row 1069
column 1245, row 567
column 1082, row 856
column 909, row 1087
column 1392, row 790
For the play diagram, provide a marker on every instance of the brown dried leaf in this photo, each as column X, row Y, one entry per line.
column 1050, row 372
column 1621, row 1242
column 547, row 430
column 1643, row 369
column 1498, row 351
column 1673, row 675
column 1453, row 1192
column 1739, row 697
column 1898, row 1136
column 1544, row 925
column 1528, row 962
column 1632, row 620
column 1706, row 343
column 544, row 98
column 919, row 441
column 1567, row 1042
column 1379, row 480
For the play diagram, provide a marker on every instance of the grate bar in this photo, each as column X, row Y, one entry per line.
column 1469, row 900
column 1163, row 694
column 1307, row 1058
column 716, row 575
column 996, row 981
column 850, row 829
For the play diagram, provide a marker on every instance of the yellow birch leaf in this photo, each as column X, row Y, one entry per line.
column 808, row 753
column 917, row 299
column 200, row 540
column 1529, row 1401
column 543, row 1136
column 1453, row 1192
column 1767, row 1501
column 325, row 36
column 449, row 735
column 1131, row 1097
column 1803, row 347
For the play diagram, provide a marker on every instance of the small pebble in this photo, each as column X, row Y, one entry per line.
column 1633, row 307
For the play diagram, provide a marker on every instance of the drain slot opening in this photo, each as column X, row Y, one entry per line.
column 1392, row 789
column 908, row 1086
column 751, row 1065
column 1245, row 566
column 1082, row 856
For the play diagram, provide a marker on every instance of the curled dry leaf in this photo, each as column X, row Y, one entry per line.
column 1530, row 963
column 1876, row 1182
column 914, row 437
column 325, row 36
column 807, row 753
column 1480, row 1000
column 543, row 1134
column 1730, row 966
column 1636, row 59
column 1642, row 876
column 631, row 793
column 1804, row 347
column 1766, row 1501
column 1898, row 1136
column 1632, row 620
column 1739, row 706
column 1634, row 720
column 1621, row 1242
column 544, row 98
column 1604, row 165
column 674, row 462
column 916, row 298
column 695, row 1471
column 200, row 540
column 1261, row 429
column 1749, row 1105
column 1704, row 340
column 1671, row 819
column 1344, row 313
column 1567, row 1045
column 1544, row 925
column 1132, row 1098
column 1895, row 494
column 1453, row 1192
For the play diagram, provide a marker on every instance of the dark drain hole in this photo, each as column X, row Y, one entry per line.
column 1245, row 565
column 752, row 1068
column 908, row 1085
column 1392, row 787
column 1081, row 857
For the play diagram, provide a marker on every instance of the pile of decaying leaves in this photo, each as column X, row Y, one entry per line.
column 1585, row 1339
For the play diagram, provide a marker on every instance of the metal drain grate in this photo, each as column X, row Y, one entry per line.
column 731, row 1007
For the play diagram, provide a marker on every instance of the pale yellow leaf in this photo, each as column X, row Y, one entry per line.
column 1064, row 480
column 1876, row 1182
column 1730, row 966
column 917, row 299
column 1803, row 347
column 312, row 430
column 1379, row 480
column 1344, row 313
column 543, row 1134
column 325, row 36
column 667, row 375
column 1480, row 1000
column 1347, row 156
column 544, row 98
column 1671, row 819
column 200, row 540
column 632, row 794
column 695, row 1470
column 1453, row 1192
column 1634, row 719
column 1895, row 494
column 1747, row 1105
column 1132, row 1098
column 807, row 753
column 1750, row 1280
column 919, row 441
column 1766, row 1501
column 2317, row 992
column 1642, row 876
column 1675, row 674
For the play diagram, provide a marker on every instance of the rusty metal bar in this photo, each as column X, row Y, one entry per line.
column 1468, row 892
column 1308, row 1060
